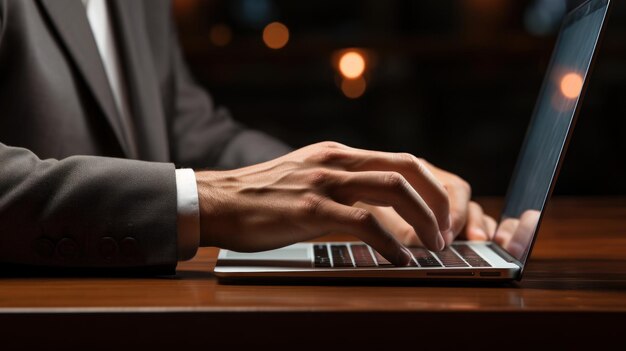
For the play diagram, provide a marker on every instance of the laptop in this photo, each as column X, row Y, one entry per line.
column 532, row 182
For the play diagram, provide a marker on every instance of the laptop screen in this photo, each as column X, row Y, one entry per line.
column 549, row 128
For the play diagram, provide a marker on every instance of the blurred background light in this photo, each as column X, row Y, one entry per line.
column 275, row 35
column 438, row 77
column 351, row 64
column 220, row 35
column 571, row 85
column 353, row 88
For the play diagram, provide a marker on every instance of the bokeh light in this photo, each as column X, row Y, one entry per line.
column 351, row 64
column 220, row 35
column 571, row 85
column 275, row 35
column 353, row 88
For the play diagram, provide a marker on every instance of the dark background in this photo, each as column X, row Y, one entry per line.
column 453, row 81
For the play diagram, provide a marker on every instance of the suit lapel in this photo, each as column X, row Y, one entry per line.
column 70, row 20
column 143, row 87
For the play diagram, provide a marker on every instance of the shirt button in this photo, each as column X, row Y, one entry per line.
column 67, row 248
column 108, row 248
column 129, row 247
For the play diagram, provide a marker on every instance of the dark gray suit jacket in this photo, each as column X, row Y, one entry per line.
column 72, row 192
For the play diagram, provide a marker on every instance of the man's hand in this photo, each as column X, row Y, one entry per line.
column 310, row 192
column 467, row 217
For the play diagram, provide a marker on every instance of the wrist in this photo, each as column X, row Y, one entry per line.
column 210, row 206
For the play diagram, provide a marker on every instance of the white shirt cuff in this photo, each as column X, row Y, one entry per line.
column 188, row 223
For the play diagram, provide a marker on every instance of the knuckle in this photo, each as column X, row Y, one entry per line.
column 319, row 178
column 422, row 162
column 310, row 204
column 408, row 159
column 362, row 218
column 464, row 184
column 440, row 193
column 395, row 181
column 410, row 162
column 329, row 145
column 420, row 165
column 329, row 156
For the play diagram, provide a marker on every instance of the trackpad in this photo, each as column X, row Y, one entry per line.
column 290, row 256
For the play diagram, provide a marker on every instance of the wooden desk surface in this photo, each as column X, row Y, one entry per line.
column 574, row 287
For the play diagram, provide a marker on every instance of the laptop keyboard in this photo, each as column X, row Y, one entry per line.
column 360, row 255
column 424, row 258
column 449, row 258
column 341, row 256
column 470, row 256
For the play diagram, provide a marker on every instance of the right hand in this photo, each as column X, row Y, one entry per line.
column 310, row 192
column 468, row 220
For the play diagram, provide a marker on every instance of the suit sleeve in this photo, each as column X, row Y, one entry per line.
column 86, row 212
column 207, row 136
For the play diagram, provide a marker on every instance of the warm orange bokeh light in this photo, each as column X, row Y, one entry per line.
column 353, row 88
column 351, row 64
column 275, row 35
column 220, row 35
column 571, row 85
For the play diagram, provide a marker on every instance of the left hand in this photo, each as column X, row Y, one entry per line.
column 467, row 217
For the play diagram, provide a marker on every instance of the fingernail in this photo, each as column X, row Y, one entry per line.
column 441, row 244
column 448, row 236
column 479, row 234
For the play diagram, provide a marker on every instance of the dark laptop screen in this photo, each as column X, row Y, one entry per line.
column 548, row 131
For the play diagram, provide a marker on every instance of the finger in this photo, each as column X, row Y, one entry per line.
column 475, row 228
column 459, row 197
column 491, row 226
column 393, row 223
column 390, row 189
column 362, row 224
column 459, row 194
column 411, row 168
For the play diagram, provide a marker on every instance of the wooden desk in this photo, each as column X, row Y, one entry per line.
column 574, row 292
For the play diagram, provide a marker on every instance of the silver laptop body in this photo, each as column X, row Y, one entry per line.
column 531, row 185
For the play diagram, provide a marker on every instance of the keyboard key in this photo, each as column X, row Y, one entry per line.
column 449, row 258
column 362, row 256
column 470, row 256
column 424, row 258
column 382, row 262
column 321, row 255
column 341, row 256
